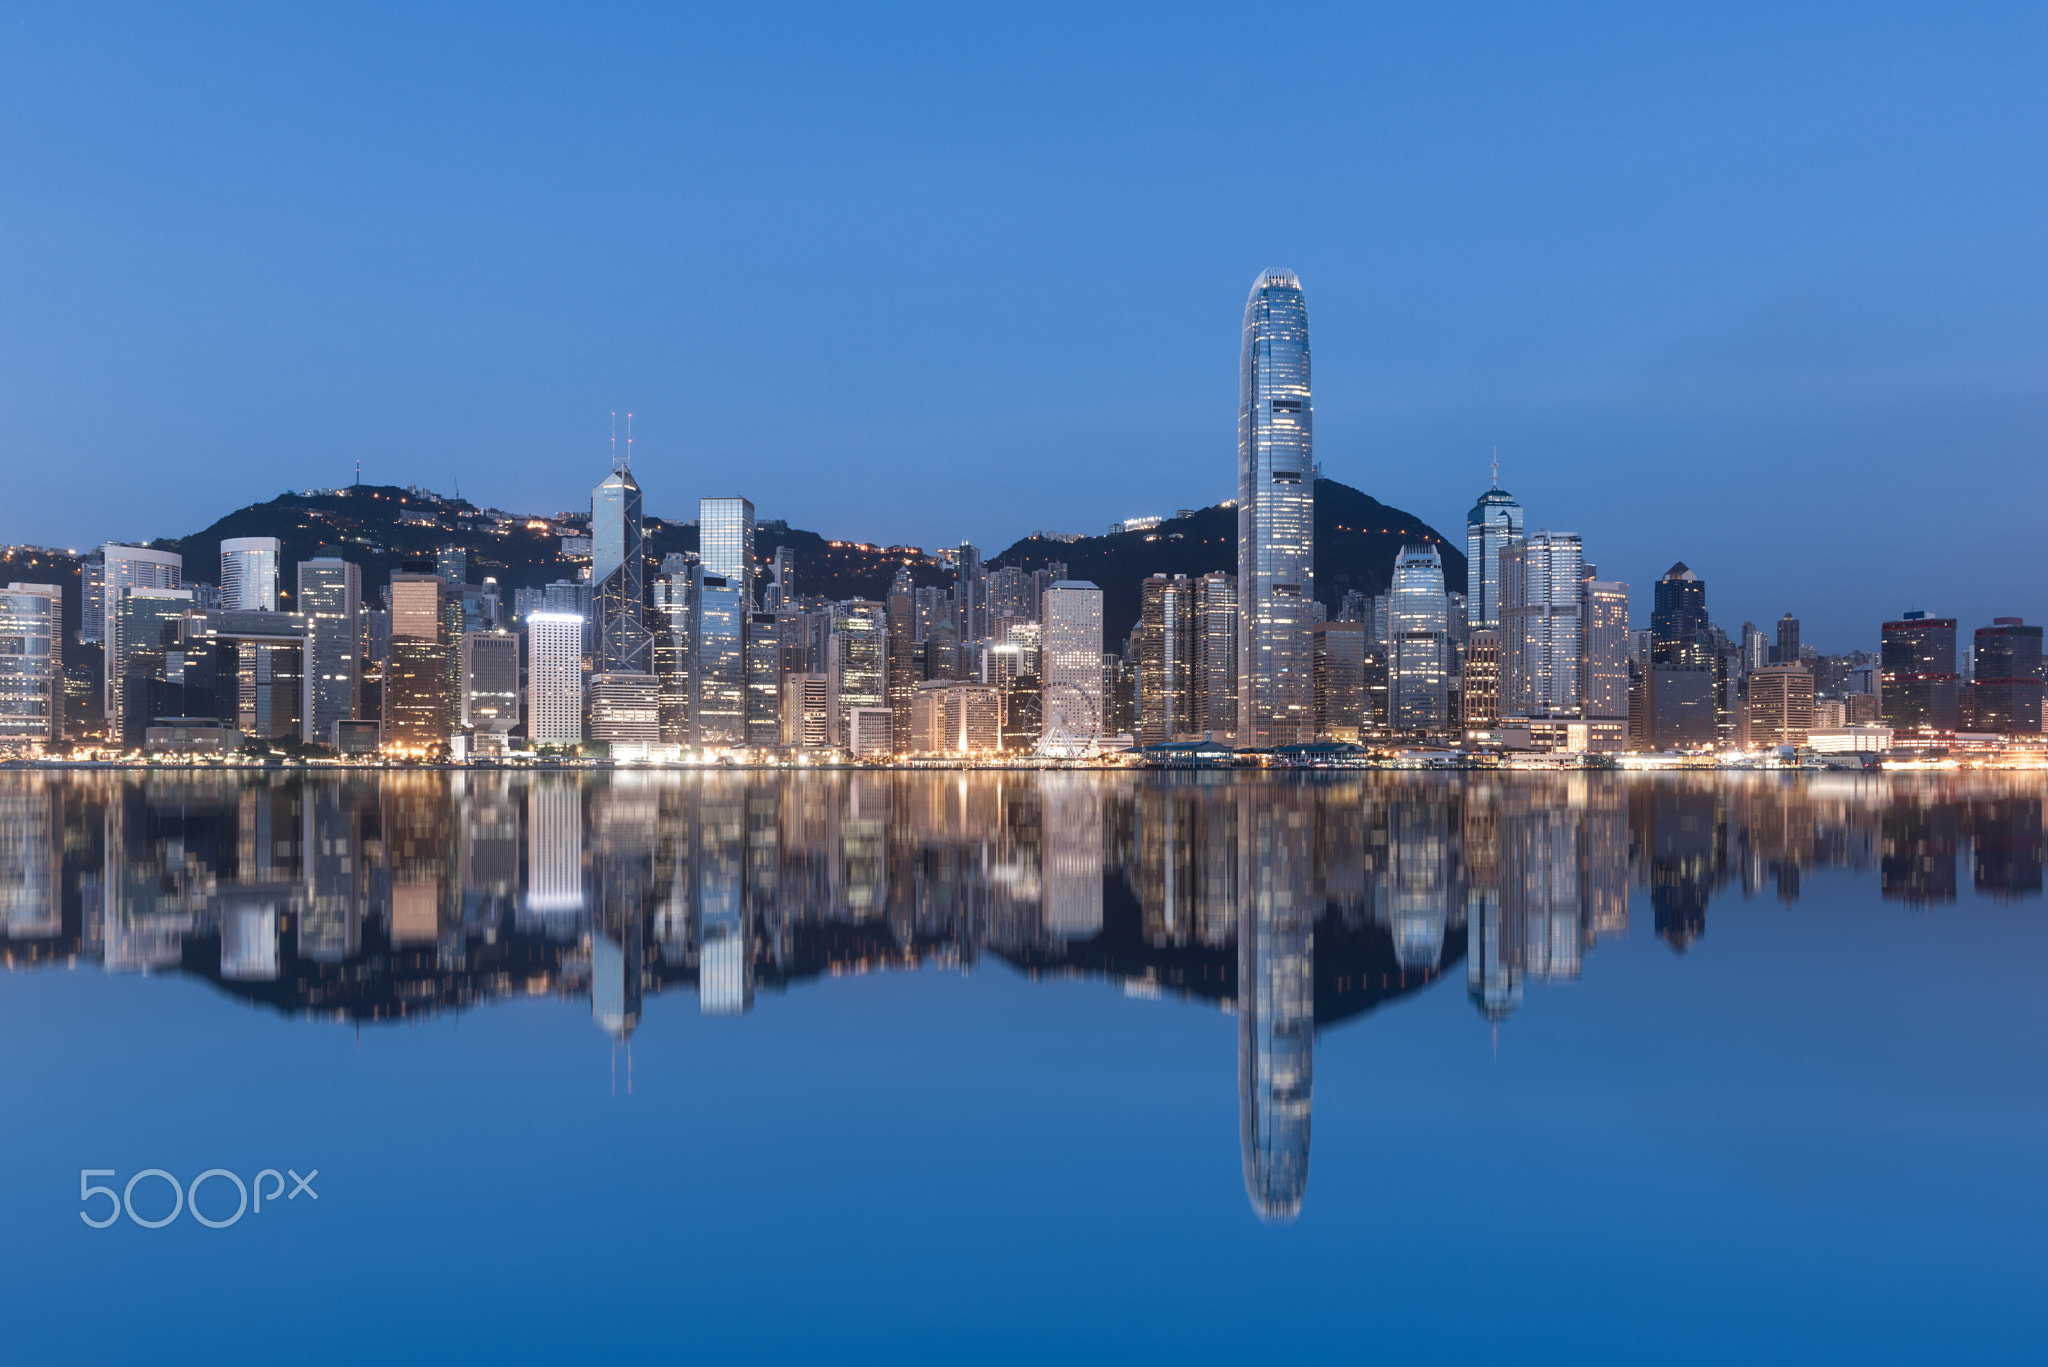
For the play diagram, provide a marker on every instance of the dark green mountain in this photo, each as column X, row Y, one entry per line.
column 380, row 527
column 1357, row 540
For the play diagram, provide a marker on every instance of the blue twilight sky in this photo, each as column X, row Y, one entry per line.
column 1759, row 287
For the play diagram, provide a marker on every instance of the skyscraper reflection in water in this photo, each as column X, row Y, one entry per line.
column 1302, row 902
column 1276, row 999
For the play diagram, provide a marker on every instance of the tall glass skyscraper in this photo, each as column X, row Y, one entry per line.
column 1495, row 520
column 725, row 540
column 1418, row 641
column 331, row 594
column 1275, row 517
column 618, row 574
column 1542, row 636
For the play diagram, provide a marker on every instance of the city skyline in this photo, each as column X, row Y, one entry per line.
column 1826, row 287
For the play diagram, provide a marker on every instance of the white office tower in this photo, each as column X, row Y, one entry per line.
column 123, row 568
column 1276, row 517
column 554, row 678
column 248, row 573
column 554, row 843
column 1071, row 700
column 1540, row 627
column 1603, row 663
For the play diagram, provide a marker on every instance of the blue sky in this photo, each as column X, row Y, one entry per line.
column 1760, row 288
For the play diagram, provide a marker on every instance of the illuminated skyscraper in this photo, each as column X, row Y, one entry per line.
column 1539, row 625
column 1418, row 626
column 554, row 661
column 417, row 697
column 123, row 568
column 618, row 574
column 248, row 573
column 1165, row 663
column 1603, row 660
column 31, row 655
column 1493, row 522
column 1071, row 698
column 725, row 540
column 1213, row 702
column 331, row 595
column 1275, row 516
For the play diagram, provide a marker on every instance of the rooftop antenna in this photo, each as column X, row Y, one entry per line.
column 359, row 472
column 629, row 441
column 615, row 439
column 1496, row 466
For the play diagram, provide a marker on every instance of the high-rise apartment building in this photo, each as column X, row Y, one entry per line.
column 1276, row 476
column 31, row 660
column 1541, row 636
column 2008, row 677
column 618, row 574
column 1917, row 663
column 1494, row 522
column 248, row 573
column 1072, row 697
column 554, row 678
column 1419, row 663
column 1603, row 660
column 331, row 597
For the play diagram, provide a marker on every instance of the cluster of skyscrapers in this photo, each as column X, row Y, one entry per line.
column 720, row 651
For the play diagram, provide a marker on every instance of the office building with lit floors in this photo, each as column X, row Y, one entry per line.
column 1780, row 706
column 31, row 658
column 1541, row 634
column 622, row 710
column 1071, row 700
column 1276, row 476
column 1493, row 525
column 1419, row 651
column 417, row 710
column 1165, row 673
column 490, row 681
column 1276, row 1023
column 248, row 573
column 2008, row 677
column 554, row 679
column 1917, row 674
column 1338, row 652
column 331, row 597
column 1481, row 695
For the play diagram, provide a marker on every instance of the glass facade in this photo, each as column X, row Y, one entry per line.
column 1540, row 625
column 718, row 664
column 1419, row 627
column 860, row 647
column 1493, row 522
column 331, row 595
column 725, row 540
column 248, row 574
column 1917, row 661
column 618, row 574
column 1275, row 516
column 1603, row 667
column 31, row 651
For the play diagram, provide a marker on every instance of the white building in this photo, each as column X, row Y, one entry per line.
column 1072, row 648
column 248, row 573
column 554, row 678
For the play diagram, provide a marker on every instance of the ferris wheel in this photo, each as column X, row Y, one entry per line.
column 1071, row 723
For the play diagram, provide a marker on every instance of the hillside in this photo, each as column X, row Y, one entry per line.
column 380, row 527
column 1357, row 541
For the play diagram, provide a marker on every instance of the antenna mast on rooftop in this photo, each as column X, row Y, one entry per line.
column 1496, row 466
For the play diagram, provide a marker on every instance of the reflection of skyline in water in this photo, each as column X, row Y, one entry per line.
column 1298, row 902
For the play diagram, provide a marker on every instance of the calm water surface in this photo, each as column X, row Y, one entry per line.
column 970, row 1067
